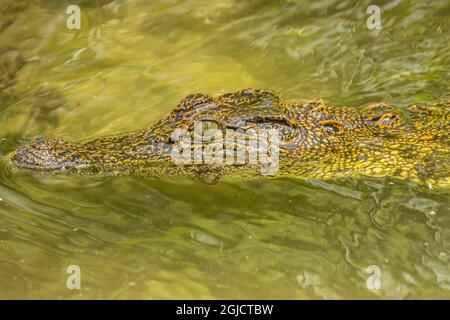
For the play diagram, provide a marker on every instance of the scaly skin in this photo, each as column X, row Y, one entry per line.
column 316, row 141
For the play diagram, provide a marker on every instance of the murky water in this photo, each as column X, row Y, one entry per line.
column 130, row 64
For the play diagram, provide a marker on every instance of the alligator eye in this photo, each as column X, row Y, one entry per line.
column 205, row 125
column 206, row 128
column 387, row 120
column 209, row 125
column 332, row 126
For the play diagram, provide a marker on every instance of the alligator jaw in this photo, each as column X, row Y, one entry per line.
column 110, row 155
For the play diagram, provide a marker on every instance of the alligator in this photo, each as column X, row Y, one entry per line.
column 315, row 140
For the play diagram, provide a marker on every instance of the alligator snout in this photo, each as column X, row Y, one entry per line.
column 43, row 154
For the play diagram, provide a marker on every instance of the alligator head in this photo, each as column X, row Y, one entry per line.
column 244, row 114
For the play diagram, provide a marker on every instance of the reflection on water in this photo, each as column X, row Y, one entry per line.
column 130, row 63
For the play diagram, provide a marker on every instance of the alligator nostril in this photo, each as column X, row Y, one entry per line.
column 39, row 154
column 21, row 155
column 38, row 143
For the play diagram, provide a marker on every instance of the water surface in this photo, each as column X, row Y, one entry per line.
column 129, row 65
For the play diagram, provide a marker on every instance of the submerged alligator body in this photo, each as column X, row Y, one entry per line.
column 314, row 140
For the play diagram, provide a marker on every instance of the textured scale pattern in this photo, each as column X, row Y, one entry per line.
column 318, row 141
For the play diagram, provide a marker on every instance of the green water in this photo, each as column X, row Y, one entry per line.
column 129, row 65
